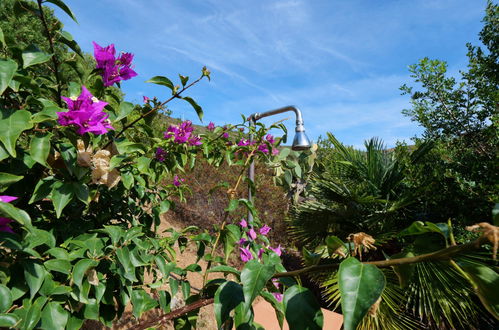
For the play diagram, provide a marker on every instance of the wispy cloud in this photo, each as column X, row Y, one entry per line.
column 341, row 62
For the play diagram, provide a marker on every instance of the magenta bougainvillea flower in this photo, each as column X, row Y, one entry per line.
column 225, row 135
column 242, row 241
column 7, row 199
column 4, row 222
column 276, row 283
column 114, row 69
column 270, row 138
column 275, row 151
column 160, row 154
column 177, row 182
column 243, row 223
column 246, row 254
column 277, row 296
column 252, row 234
column 211, row 126
column 146, row 99
column 277, row 250
column 263, row 148
column 265, row 230
column 86, row 113
column 243, row 143
column 195, row 141
column 4, row 225
column 183, row 134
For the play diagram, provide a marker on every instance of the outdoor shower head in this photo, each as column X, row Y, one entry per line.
column 300, row 141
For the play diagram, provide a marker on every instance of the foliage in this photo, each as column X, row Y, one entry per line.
column 85, row 178
column 460, row 116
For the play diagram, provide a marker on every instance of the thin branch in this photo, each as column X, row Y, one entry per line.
column 174, row 96
column 443, row 254
column 55, row 63
column 176, row 313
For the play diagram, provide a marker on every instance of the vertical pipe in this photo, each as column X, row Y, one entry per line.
column 251, row 170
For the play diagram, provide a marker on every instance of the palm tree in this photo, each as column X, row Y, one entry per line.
column 355, row 191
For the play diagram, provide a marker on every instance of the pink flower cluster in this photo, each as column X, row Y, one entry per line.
column 211, row 126
column 86, row 113
column 177, row 182
column 262, row 147
column 245, row 253
column 114, row 69
column 183, row 134
column 4, row 222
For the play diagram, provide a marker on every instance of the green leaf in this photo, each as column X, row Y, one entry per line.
column 32, row 55
column 6, row 179
column 164, row 301
column 143, row 164
column 183, row 79
column 301, row 309
column 485, row 282
column 5, row 298
column 68, row 40
column 127, row 179
column 3, row 153
column 163, row 81
column 227, row 297
column 34, row 274
column 420, row 227
column 42, row 189
column 9, row 320
column 254, row 277
column 37, row 237
column 58, row 265
column 278, row 306
column 62, row 194
column 231, row 235
column 233, row 204
column 13, row 123
column 54, row 316
column 333, row 243
column 115, row 232
column 39, row 148
column 64, row 7
column 186, row 289
column 48, row 113
column 125, row 109
column 91, row 310
column 403, row 272
column 123, row 255
column 142, row 302
column 80, row 190
column 163, row 266
column 310, row 258
column 224, row 269
column 12, row 212
column 2, row 39
column 7, row 70
column 196, row 107
column 80, row 268
column 361, row 286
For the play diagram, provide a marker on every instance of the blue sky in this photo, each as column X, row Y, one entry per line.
column 341, row 62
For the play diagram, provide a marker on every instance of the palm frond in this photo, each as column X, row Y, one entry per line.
column 391, row 313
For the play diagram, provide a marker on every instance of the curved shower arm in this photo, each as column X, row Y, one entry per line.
column 299, row 119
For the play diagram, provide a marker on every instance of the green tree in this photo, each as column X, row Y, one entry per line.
column 461, row 116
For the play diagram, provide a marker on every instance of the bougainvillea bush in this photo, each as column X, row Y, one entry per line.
column 85, row 177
